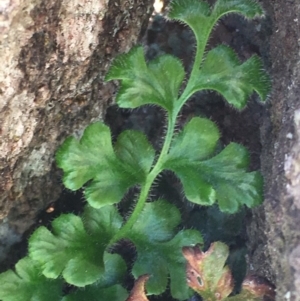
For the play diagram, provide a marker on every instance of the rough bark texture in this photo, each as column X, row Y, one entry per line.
column 53, row 57
column 275, row 233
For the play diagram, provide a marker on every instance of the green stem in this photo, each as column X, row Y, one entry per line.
column 201, row 45
column 168, row 139
column 136, row 212
column 147, row 185
column 198, row 58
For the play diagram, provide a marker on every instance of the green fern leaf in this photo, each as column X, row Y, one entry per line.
column 159, row 248
column 106, row 286
column 81, row 160
column 27, row 284
column 223, row 178
column 223, row 72
column 196, row 189
column 248, row 8
column 135, row 152
column 234, row 186
column 76, row 249
column 198, row 15
column 125, row 66
column 111, row 174
column 197, row 141
column 194, row 13
column 156, row 83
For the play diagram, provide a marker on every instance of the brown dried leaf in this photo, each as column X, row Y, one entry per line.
column 207, row 273
column 138, row 291
column 208, row 276
column 258, row 288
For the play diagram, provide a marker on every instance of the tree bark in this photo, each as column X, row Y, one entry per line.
column 54, row 55
column 275, row 230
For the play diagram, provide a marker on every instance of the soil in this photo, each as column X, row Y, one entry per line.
column 247, row 38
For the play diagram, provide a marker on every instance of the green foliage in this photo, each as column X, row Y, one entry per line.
column 197, row 141
column 146, row 84
column 81, row 250
column 223, row 177
column 94, row 159
column 65, row 251
column 201, row 19
column 27, row 283
column 155, row 228
column 223, row 72
column 106, row 287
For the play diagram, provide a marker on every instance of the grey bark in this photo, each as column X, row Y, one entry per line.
column 54, row 55
column 275, row 230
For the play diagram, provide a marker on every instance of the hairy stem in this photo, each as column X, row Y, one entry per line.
column 136, row 212
column 148, row 183
column 198, row 58
column 168, row 139
column 200, row 46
